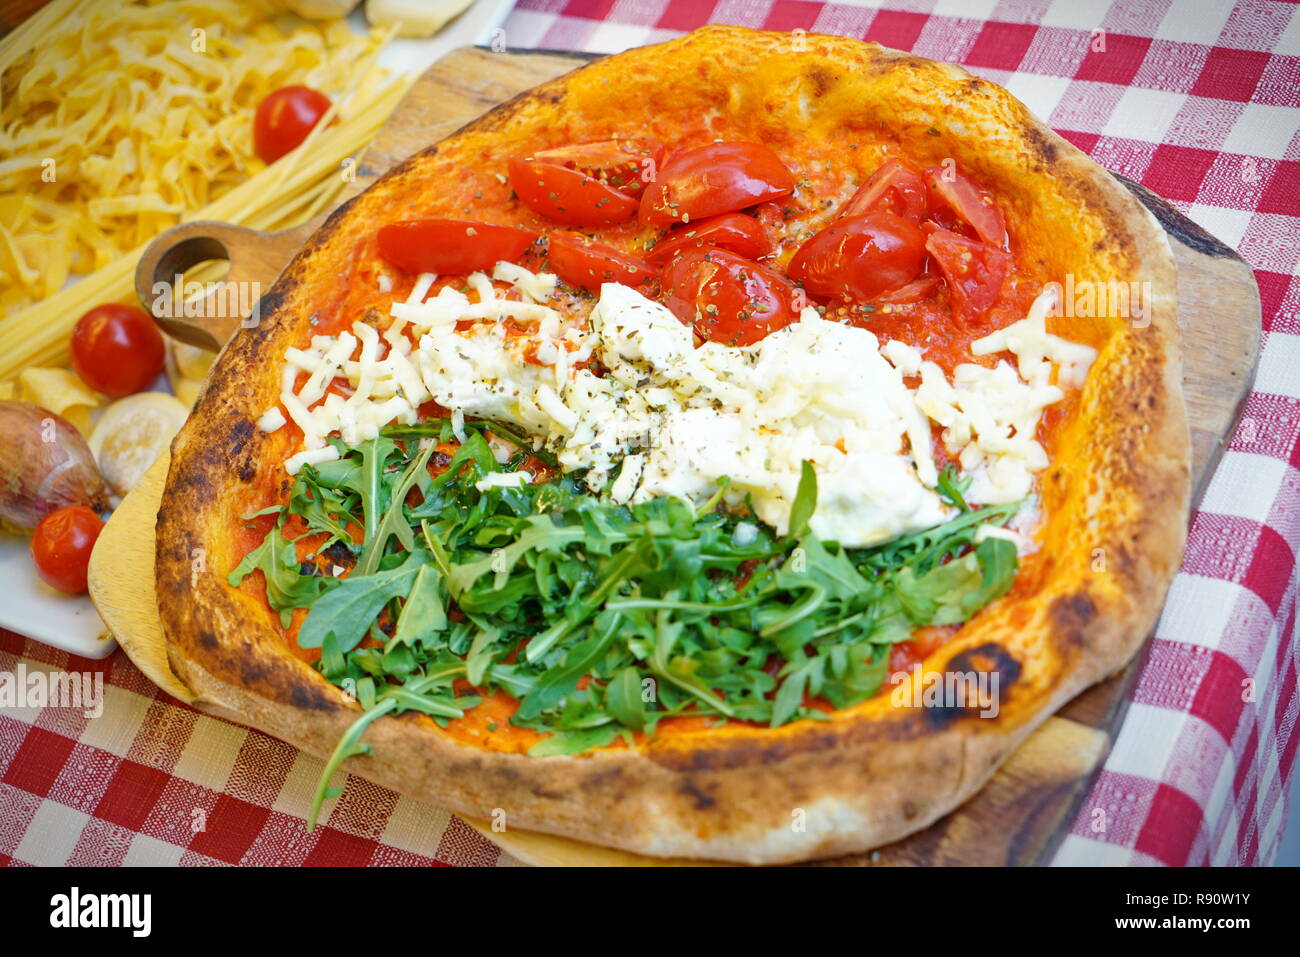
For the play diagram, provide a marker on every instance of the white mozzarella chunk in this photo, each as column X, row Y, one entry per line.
column 310, row 457
column 423, row 283
column 816, row 391
column 510, row 309
column 503, row 480
column 313, row 437
column 481, row 286
column 551, row 404
column 906, row 359
column 1036, row 349
column 866, row 498
column 271, row 420
column 535, row 287
column 990, row 417
column 638, row 336
column 327, row 367
column 692, row 448
column 478, row 373
column 629, row 477
column 609, row 422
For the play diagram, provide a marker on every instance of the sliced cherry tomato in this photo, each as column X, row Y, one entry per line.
column 973, row 205
column 61, row 547
column 741, row 234
column 771, row 217
column 974, row 272
column 714, row 179
column 626, row 165
column 860, row 257
column 896, row 188
column 569, row 196
column 117, row 349
column 284, row 118
column 914, row 291
column 450, row 247
column 728, row 298
column 581, row 262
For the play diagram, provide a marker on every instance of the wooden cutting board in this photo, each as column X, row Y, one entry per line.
column 1026, row 808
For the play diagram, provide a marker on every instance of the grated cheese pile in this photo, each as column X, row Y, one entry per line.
column 674, row 419
column 122, row 119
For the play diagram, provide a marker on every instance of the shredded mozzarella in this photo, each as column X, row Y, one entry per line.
column 679, row 418
column 503, row 480
column 271, row 420
column 310, row 457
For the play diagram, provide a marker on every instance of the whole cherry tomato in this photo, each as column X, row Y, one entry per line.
column 61, row 547
column 587, row 264
column 860, row 257
column 450, row 247
column 117, row 349
column 741, row 234
column 728, row 298
column 714, row 179
column 284, row 118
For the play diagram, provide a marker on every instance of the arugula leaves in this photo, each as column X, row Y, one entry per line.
column 349, row 609
column 286, row 587
column 600, row 619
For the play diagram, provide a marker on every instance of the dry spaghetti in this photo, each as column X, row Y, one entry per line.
column 122, row 118
column 284, row 194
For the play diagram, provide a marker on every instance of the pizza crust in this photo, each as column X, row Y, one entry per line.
column 1116, row 493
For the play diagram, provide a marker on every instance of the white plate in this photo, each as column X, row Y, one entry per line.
column 474, row 27
column 33, row 608
column 29, row 606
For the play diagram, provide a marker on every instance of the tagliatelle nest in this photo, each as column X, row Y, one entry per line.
column 124, row 118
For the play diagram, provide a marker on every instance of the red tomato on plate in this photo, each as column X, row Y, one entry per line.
column 860, row 257
column 117, row 349
column 728, row 298
column 61, row 547
column 742, row 234
column 973, row 270
column 450, row 247
column 284, row 118
column 714, row 179
column 581, row 262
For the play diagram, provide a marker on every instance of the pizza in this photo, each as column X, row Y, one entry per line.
column 709, row 453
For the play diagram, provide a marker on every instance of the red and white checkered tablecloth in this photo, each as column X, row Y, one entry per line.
column 1198, row 100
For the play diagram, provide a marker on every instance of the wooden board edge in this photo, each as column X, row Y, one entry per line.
column 121, row 559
